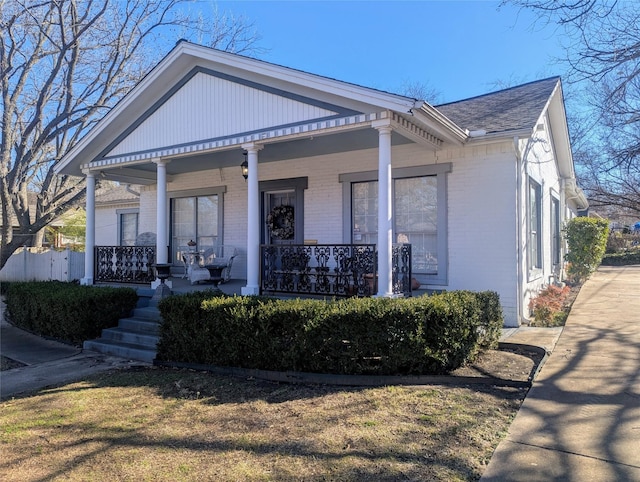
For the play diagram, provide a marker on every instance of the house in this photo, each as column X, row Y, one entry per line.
column 479, row 188
column 117, row 209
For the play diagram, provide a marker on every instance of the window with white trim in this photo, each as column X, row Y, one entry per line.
column 196, row 214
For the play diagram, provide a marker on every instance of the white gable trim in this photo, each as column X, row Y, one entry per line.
column 324, row 84
column 186, row 56
column 263, row 137
column 327, row 126
column 208, row 104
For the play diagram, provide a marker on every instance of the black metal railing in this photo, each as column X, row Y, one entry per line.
column 330, row 269
column 401, row 260
column 125, row 264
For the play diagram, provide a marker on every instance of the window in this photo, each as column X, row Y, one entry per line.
column 556, row 240
column 194, row 218
column 419, row 211
column 364, row 201
column 127, row 227
column 416, row 220
column 535, row 225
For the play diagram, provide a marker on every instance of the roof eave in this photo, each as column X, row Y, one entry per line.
column 441, row 124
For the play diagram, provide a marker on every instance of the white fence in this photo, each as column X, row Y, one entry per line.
column 35, row 264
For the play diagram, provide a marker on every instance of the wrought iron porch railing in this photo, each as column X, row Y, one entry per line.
column 125, row 264
column 330, row 269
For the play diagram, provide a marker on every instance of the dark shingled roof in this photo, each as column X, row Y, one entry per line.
column 112, row 193
column 506, row 110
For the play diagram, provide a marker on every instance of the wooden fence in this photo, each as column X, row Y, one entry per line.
column 37, row 264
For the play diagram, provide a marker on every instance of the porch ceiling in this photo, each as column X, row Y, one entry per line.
column 143, row 171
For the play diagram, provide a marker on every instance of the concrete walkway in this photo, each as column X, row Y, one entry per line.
column 581, row 419
column 46, row 362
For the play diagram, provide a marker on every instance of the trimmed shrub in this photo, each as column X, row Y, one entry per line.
column 547, row 308
column 4, row 287
column 622, row 259
column 433, row 334
column 67, row 311
column 492, row 319
column 587, row 241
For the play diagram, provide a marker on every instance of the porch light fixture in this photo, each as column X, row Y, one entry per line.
column 245, row 167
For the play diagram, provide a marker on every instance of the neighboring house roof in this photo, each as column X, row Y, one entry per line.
column 510, row 109
column 116, row 194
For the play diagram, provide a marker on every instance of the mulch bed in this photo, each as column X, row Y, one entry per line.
column 511, row 365
column 510, row 362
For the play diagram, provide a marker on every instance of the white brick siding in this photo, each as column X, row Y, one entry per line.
column 482, row 208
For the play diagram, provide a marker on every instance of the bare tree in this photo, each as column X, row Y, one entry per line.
column 602, row 46
column 63, row 65
column 421, row 91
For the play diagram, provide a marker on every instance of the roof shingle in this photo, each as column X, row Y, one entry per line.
column 506, row 110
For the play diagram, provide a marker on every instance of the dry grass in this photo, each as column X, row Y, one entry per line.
column 171, row 425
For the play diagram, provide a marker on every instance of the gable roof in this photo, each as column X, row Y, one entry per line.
column 506, row 110
column 112, row 193
column 171, row 73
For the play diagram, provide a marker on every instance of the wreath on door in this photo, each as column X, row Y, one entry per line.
column 281, row 222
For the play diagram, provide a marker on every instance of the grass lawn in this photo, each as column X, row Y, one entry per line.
column 175, row 425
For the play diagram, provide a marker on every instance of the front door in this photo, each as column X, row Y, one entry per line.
column 280, row 218
column 283, row 211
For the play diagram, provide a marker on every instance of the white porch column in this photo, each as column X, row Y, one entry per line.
column 90, row 234
column 385, row 209
column 162, row 256
column 253, row 222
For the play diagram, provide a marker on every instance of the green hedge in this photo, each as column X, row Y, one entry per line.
column 587, row 241
column 435, row 334
column 67, row 311
column 622, row 259
column 4, row 287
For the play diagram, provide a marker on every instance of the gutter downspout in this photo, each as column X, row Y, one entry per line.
column 563, row 220
column 520, row 165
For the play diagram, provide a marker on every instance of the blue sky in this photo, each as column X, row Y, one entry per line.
column 459, row 48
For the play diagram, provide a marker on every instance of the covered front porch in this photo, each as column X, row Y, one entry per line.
column 268, row 252
column 324, row 164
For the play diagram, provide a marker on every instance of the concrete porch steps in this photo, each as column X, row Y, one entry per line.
column 122, row 350
column 135, row 337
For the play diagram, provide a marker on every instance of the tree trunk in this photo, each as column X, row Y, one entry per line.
column 38, row 239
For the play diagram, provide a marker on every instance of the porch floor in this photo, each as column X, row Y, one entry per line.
column 231, row 287
column 181, row 286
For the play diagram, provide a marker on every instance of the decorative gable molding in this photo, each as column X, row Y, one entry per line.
column 209, row 105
